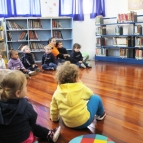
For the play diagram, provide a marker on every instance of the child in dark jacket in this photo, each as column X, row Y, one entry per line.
column 27, row 59
column 17, row 116
column 64, row 56
column 76, row 57
column 48, row 59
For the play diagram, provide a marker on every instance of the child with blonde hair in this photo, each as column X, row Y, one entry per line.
column 2, row 63
column 48, row 59
column 74, row 102
column 17, row 116
column 28, row 60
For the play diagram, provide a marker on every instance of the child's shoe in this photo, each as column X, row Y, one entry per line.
column 89, row 65
column 99, row 118
column 83, row 66
column 37, row 70
column 53, row 135
column 32, row 72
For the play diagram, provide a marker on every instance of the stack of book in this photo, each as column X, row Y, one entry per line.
column 99, row 19
column 33, row 35
column 139, row 54
column 14, row 26
column 123, row 53
column 36, row 24
column 101, row 30
column 100, row 42
column 138, row 30
column 128, row 17
column 37, row 47
column 56, row 24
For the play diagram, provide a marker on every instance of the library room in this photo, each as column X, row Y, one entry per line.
column 57, row 57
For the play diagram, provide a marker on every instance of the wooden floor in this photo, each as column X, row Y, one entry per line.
column 121, row 89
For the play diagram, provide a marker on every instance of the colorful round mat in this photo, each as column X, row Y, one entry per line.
column 91, row 138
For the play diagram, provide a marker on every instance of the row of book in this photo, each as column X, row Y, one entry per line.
column 101, row 30
column 104, row 52
column 1, row 35
column 127, row 17
column 57, row 34
column 37, row 47
column 11, row 25
column 56, row 24
column 33, row 47
column 36, row 24
column 138, row 30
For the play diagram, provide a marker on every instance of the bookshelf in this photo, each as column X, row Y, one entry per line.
column 35, row 32
column 2, row 39
column 118, row 41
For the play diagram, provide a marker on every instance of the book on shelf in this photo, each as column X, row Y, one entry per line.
column 57, row 34
column 56, row 24
column 23, row 36
column 123, row 41
column 138, row 30
column 123, row 53
column 101, row 52
column 9, row 36
column 11, row 25
column 139, row 54
column 139, row 42
column 100, row 41
column 20, row 47
column 99, row 19
column 33, row 35
column 1, row 35
column 2, row 46
column 127, row 17
column 36, row 24
column 37, row 47
column 101, row 30
column 119, row 30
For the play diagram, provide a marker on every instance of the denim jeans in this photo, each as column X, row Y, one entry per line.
column 49, row 66
column 79, row 64
column 95, row 107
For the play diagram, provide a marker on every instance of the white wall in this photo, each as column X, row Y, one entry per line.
column 84, row 32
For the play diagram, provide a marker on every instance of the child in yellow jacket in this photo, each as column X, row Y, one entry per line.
column 70, row 99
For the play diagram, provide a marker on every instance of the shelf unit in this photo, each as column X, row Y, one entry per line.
column 2, row 40
column 36, row 32
column 111, row 52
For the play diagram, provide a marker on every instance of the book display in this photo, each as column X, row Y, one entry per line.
column 35, row 32
column 123, row 36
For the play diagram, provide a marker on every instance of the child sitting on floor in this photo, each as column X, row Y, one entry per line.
column 75, row 103
column 17, row 116
column 48, row 59
column 15, row 63
column 2, row 63
column 64, row 55
column 76, row 57
column 27, row 59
